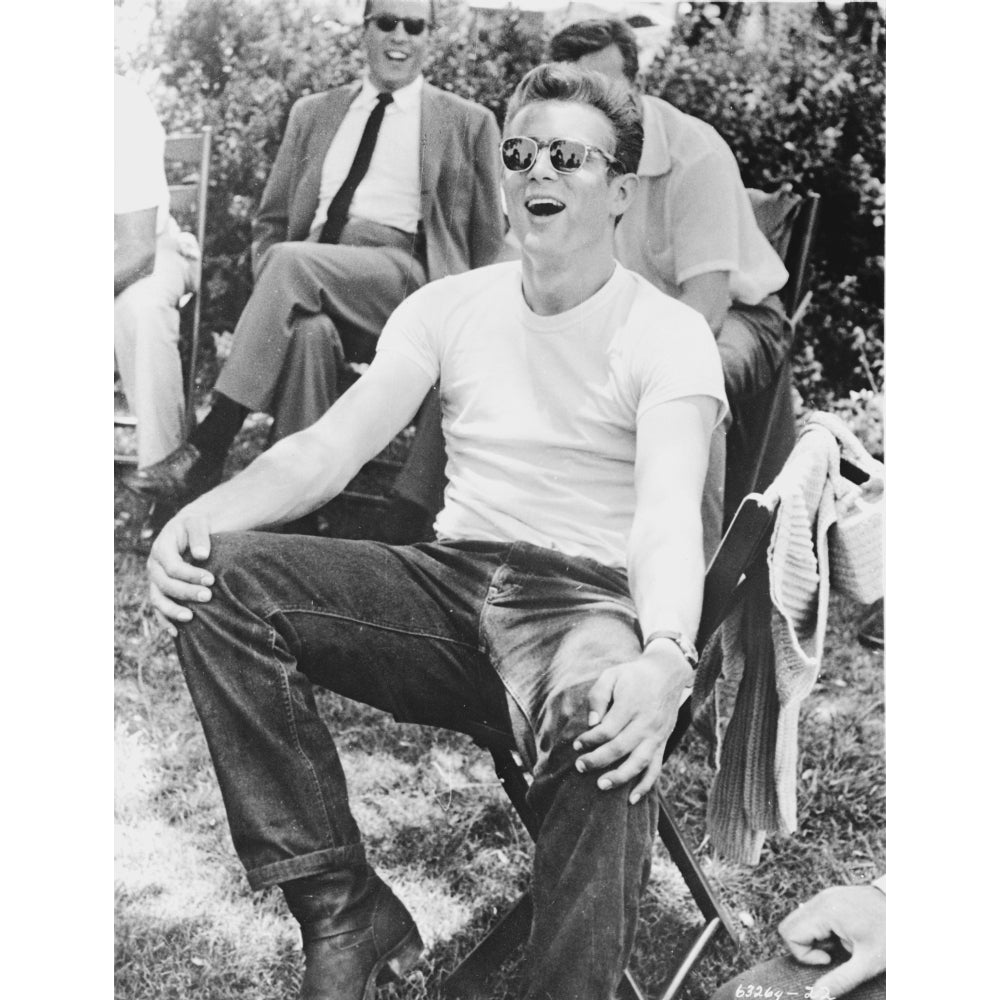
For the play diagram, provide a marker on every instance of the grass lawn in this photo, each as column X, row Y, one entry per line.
column 439, row 829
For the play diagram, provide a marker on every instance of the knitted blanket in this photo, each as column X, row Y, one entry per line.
column 779, row 630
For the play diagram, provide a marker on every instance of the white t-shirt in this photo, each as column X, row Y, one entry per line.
column 540, row 412
column 140, row 181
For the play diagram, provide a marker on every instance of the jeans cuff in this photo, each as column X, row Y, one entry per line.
column 331, row 860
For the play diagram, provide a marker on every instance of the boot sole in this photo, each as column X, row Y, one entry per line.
column 396, row 963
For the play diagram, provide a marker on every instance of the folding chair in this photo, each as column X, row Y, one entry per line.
column 789, row 222
column 190, row 156
column 739, row 560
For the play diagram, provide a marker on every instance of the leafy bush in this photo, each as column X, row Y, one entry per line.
column 804, row 107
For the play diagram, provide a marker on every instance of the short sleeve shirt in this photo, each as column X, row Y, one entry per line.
column 140, row 181
column 692, row 215
column 540, row 412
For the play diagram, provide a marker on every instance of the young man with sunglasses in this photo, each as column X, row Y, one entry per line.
column 554, row 608
column 693, row 234
column 377, row 188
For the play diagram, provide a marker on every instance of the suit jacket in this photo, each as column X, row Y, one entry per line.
column 459, row 178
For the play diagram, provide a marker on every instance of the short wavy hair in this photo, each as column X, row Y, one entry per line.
column 558, row 81
column 595, row 35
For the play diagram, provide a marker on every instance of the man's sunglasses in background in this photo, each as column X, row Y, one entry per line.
column 388, row 22
column 519, row 153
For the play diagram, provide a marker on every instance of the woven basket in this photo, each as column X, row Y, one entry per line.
column 857, row 538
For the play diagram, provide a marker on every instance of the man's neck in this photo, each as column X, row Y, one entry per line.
column 553, row 286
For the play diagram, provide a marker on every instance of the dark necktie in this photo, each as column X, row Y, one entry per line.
column 336, row 214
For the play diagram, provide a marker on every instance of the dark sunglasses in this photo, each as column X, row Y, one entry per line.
column 519, row 153
column 388, row 22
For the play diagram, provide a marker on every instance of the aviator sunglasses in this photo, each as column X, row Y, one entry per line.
column 519, row 153
column 388, row 22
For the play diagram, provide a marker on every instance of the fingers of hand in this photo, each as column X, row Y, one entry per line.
column 199, row 540
column 168, row 608
column 806, row 925
column 172, row 583
column 164, row 622
column 610, row 725
column 599, row 698
column 648, row 781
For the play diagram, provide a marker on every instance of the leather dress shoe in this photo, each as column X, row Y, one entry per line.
column 176, row 479
column 348, row 955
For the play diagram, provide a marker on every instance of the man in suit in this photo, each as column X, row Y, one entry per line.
column 377, row 188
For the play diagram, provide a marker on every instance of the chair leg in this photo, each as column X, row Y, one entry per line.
column 694, row 878
column 694, row 953
column 468, row 980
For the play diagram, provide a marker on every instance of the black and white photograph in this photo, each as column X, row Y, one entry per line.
column 500, row 500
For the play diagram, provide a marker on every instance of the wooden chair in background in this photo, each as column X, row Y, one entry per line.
column 188, row 157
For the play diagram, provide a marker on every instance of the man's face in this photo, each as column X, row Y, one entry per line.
column 395, row 58
column 608, row 61
column 558, row 215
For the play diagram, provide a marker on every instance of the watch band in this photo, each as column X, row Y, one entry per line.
column 682, row 642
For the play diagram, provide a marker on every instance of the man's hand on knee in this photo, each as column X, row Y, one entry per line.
column 172, row 580
column 633, row 711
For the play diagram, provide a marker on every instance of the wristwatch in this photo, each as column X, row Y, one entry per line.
column 683, row 643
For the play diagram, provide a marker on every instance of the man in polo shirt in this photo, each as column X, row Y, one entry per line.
column 377, row 188
column 692, row 233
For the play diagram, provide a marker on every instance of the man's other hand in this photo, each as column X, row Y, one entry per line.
column 856, row 915
column 633, row 711
column 173, row 581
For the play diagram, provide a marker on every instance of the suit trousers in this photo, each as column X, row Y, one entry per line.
column 313, row 307
column 147, row 331
column 464, row 635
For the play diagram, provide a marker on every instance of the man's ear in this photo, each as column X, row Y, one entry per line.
column 624, row 189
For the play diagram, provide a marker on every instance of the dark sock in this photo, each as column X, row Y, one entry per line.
column 216, row 433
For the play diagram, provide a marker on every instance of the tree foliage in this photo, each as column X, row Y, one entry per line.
column 804, row 106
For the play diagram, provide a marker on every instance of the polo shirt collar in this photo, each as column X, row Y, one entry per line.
column 655, row 159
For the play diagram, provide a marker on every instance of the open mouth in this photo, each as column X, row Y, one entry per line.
column 396, row 55
column 544, row 206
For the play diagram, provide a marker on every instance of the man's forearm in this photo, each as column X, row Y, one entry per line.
column 666, row 568
column 292, row 478
column 709, row 295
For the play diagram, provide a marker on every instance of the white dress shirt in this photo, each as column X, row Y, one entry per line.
column 389, row 192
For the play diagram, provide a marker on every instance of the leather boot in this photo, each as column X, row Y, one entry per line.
column 355, row 934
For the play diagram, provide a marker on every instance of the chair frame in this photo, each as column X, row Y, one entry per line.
column 194, row 149
column 795, row 298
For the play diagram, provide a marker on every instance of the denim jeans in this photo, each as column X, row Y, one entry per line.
column 459, row 635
